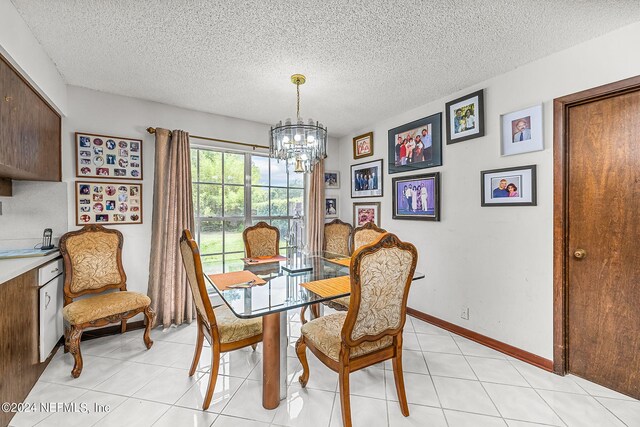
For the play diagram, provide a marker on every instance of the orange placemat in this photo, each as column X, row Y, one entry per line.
column 340, row 261
column 223, row 280
column 263, row 259
column 329, row 287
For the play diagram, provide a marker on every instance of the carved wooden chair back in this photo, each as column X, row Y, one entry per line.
column 92, row 261
column 195, row 276
column 337, row 236
column 364, row 235
column 261, row 240
column 381, row 274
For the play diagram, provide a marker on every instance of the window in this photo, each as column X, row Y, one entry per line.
column 232, row 191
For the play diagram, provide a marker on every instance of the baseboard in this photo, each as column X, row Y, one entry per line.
column 505, row 348
column 111, row 330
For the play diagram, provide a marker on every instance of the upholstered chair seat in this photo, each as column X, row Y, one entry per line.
column 232, row 328
column 324, row 334
column 102, row 306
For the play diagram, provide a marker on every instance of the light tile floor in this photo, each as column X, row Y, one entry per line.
column 450, row 381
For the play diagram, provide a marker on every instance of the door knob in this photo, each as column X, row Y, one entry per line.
column 580, row 253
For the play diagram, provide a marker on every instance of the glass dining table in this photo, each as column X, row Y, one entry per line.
column 281, row 292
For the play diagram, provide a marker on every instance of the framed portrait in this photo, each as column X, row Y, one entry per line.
column 363, row 145
column 103, row 156
column 417, row 197
column 465, row 117
column 331, row 207
column 108, row 203
column 522, row 131
column 331, row 179
column 366, row 212
column 416, row 145
column 509, row 187
column 366, row 179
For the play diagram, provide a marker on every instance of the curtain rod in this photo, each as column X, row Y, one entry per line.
column 152, row 131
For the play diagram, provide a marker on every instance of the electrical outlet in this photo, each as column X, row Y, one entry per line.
column 464, row 313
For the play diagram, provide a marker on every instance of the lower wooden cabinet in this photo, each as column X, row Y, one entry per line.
column 19, row 356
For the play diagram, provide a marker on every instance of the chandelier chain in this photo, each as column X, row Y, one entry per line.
column 298, row 99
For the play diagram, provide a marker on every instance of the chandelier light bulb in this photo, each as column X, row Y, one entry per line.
column 297, row 137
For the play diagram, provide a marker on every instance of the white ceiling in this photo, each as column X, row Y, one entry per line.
column 365, row 60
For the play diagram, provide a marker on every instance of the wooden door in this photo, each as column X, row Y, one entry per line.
column 603, row 265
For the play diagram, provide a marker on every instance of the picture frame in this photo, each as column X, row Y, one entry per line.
column 403, row 152
column 105, row 156
column 331, row 179
column 522, row 131
column 331, row 207
column 364, row 176
column 412, row 193
column 116, row 203
column 465, row 117
column 499, row 185
column 364, row 212
column 363, row 145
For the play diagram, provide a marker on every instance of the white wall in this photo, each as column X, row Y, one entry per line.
column 22, row 49
column 496, row 261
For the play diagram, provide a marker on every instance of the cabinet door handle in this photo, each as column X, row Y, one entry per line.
column 55, row 270
column 47, row 300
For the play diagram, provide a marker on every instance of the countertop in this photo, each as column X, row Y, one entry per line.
column 12, row 268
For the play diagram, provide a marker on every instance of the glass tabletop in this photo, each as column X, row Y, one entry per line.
column 282, row 290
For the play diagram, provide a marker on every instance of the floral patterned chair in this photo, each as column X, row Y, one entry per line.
column 337, row 235
column 371, row 330
column 222, row 329
column 261, row 240
column 93, row 264
column 365, row 234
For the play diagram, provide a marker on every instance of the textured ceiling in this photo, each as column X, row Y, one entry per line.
column 365, row 60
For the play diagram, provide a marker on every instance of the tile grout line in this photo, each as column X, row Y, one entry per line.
column 433, row 384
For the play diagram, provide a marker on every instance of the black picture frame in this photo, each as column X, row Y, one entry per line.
column 478, row 116
column 397, row 164
column 522, row 177
column 367, row 168
column 399, row 198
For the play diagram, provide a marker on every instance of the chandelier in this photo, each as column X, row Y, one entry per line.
column 299, row 143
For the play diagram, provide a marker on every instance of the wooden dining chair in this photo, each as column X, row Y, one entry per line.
column 371, row 330
column 337, row 236
column 93, row 265
column 261, row 240
column 365, row 234
column 222, row 329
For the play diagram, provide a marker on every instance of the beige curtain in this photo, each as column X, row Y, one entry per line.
column 172, row 212
column 315, row 225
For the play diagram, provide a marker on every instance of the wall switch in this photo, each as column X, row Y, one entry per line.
column 465, row 313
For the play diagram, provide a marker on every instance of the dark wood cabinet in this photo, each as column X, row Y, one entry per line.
column 30, row 130
column 19, row 357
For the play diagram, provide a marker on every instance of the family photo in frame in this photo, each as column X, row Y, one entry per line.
column 465, row 117
column 416, row 145
column 509, row 186
column 363, row 145
column 522, row 131
column 366, row 179
column 331, row 179
column 417, row 197
column 331, row 207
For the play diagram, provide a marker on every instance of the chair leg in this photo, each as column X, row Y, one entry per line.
column 67, row 333
column 74, row 348
column 345, row 400
column 301, row 351
column 150, row 316
column 315, row 310
column 302, row 311
column 213, row 375
column 399, row 379
column 198, row 352
column 123, row 326
column 254, row 346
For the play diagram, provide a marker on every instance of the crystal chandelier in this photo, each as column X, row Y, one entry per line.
column 299, row 143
